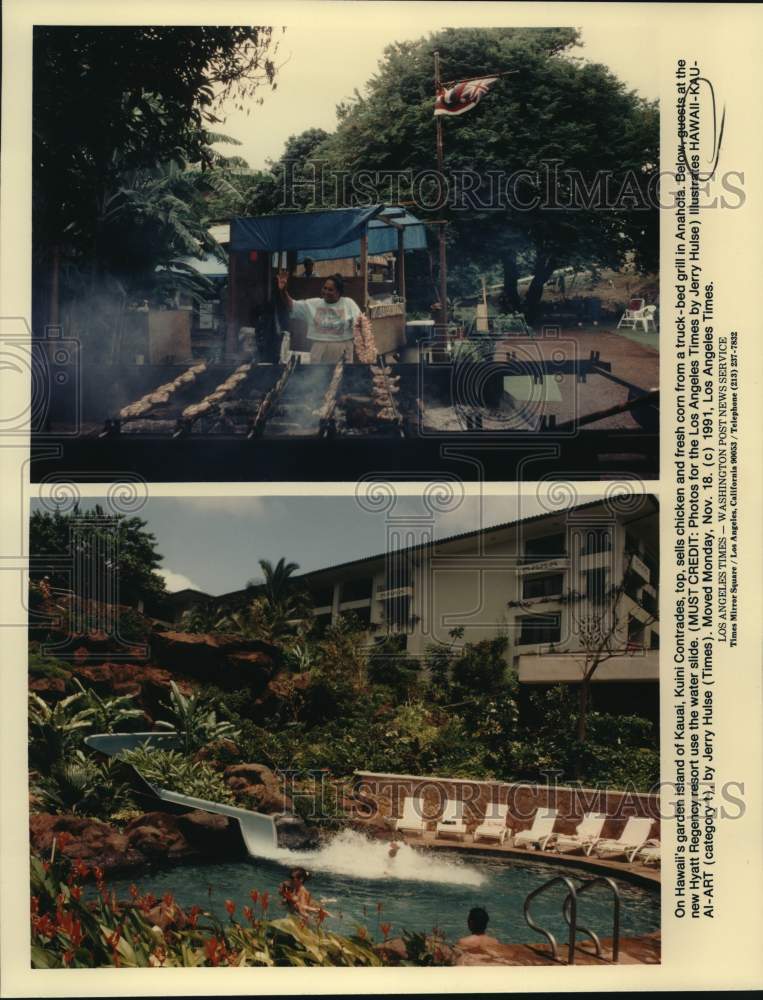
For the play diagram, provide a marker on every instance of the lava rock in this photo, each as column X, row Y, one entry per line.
column 294, row 834
column 88, row 840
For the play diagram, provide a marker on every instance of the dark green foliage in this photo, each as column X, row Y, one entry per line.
column 85, row 536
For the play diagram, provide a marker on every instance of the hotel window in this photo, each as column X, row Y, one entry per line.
column 596, row 540
column 397, row 613
column 357, row 590
column 539, row 628
column 635, row 632
column 596, row 584
column 543, row 586
column 323, row 597
column 547, row 547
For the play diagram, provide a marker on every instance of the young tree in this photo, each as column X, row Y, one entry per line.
column 600, row 632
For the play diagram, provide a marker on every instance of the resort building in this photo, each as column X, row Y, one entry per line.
column 566, row 588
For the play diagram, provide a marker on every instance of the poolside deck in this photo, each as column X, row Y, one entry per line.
column 622, row 869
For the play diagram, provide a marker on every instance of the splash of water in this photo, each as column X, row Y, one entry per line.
column 352, row 854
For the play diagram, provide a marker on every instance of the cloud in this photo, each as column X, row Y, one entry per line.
column 176, row 581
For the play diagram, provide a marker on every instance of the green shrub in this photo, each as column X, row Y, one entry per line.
column 176, row 772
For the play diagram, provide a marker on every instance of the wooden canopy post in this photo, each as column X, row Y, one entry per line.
column 231, row 330
column 364, row 271
column 401, row 263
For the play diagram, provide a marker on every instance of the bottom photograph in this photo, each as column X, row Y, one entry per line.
column 363, row 730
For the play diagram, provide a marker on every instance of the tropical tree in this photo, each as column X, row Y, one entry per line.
column 154, row 97
column 96, row 543
column 550, row 120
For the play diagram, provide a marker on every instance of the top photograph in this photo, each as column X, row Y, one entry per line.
column 323, row 253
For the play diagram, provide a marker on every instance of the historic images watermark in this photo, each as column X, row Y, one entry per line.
column 550, row 187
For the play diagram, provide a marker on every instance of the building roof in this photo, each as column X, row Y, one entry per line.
column 443, row 541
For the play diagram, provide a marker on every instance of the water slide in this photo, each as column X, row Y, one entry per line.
column 257, row 829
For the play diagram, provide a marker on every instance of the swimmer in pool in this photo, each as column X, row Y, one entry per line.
column 297, row 896
column 478, row 940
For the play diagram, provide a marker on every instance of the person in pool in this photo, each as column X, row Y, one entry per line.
column 296, row 895
column 330, row 319
column 478, row 940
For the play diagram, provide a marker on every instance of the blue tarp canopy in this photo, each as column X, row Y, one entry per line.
column 328, row 235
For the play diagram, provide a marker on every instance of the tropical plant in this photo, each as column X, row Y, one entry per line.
column 202, row 618
column 176, row 772
column 78, row 784
column 194, row 719
column 108, row 715
column 69, row 931
column 56, row 730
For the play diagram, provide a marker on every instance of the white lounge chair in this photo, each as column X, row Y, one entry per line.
column 586, row 835
column 412, row 820
column 540, row 832
column 451, row 823
column 638, row 314
column 493, row 825
column 631, row 840
column 650, row 853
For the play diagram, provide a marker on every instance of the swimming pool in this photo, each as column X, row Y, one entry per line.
column 415, row 891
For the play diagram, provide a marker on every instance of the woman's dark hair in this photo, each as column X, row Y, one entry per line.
column 338, row 281
column 300, row 873
column 478, row 920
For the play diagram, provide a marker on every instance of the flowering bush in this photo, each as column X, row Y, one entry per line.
column 70, row 932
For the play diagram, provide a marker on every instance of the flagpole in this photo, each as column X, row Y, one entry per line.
column 441, row 231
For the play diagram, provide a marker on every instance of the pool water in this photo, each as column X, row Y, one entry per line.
column 417, row 890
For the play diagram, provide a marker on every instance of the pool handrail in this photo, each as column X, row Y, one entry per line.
column 588, row 884
column 572, row 896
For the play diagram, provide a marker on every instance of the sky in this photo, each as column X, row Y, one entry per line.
column 311, row 81
column 213, row 544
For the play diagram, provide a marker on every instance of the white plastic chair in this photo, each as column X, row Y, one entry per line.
column 639, row 315
column 587, row 833
column 650, row 853
column 493, row 826
column 451, row 824
column 540, row 832
column 635, row 834
column 412, row 820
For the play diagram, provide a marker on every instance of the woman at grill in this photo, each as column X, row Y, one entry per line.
column 330, row 319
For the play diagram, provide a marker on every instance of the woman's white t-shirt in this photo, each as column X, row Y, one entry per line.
column 327, row 321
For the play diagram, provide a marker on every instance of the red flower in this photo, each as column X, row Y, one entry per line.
column 68, row 957
column 112, row 940
column 214, row 950
column 193, row 916
column 230, row 906
column 168, row 899
column 249, row 914
column 35, row 904
column 44, row 926
column 322, row 914
column 63, row 839
column 81, row 869
column 265, row 901
column 76, row 892
column 255, row 896
column 385, row 928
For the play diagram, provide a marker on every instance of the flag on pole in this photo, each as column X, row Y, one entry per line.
column 462, row 96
